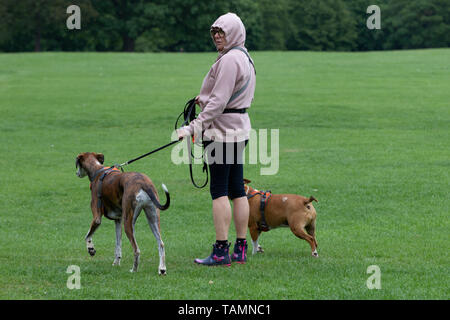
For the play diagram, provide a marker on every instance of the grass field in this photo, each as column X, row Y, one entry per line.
column 368, row 134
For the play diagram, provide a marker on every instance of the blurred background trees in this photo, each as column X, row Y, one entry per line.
column 183, row 25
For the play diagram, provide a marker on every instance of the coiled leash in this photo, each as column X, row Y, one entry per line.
column 189, row 115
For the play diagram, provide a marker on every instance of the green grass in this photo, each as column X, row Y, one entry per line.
column 365, row 133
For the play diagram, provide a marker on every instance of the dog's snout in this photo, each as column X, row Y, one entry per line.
column 81, row 173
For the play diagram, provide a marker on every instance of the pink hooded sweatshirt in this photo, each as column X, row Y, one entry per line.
column 228, row 74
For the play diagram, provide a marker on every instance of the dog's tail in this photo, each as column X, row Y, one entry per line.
column 155, row 201
column 311, row 199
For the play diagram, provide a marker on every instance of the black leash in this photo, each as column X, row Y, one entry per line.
column 204, row 169
column 145, row 155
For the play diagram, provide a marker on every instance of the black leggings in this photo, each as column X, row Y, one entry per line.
column 225, row 168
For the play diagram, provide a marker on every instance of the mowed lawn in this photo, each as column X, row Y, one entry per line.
column 368, row 134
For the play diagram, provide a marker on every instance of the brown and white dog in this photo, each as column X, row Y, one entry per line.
column 121, row 196
column 281, row 210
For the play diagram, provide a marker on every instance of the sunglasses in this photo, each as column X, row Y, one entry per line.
column 214, row 31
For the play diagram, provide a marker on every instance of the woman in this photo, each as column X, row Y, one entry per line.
column 227, row 91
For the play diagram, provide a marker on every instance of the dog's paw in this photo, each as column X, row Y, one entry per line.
column 162, row 272
column 116, row 262
column 257, row 249
column 92, row 251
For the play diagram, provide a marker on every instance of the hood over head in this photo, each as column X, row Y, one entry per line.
column 234, row 30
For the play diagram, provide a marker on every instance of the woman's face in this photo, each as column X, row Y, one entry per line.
column 219, row 38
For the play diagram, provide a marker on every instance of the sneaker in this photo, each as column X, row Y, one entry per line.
column 219, row 257
column 240, row 252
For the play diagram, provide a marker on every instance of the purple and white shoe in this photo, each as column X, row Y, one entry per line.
column 219, row 257
column 240, row 252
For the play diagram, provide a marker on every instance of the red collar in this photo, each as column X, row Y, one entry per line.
column 267, row 194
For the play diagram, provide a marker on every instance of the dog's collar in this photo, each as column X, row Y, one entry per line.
column 252, row 194
column 255, row 192
column 96, row 173
column 99, row 171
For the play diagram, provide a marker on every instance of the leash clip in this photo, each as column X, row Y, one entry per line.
column 120, row 166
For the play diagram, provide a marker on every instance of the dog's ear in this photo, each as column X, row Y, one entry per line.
column 100, row 157
column 311, row 199
column 246, row 181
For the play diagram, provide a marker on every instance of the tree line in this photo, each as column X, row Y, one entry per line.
column 183, row 25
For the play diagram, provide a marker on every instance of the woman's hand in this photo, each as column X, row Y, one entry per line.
column 182, row 133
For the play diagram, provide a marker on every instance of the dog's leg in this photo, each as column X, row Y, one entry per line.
column 311, row 229
column 297, row 228
column 118, row 250
column 256, row 247
column 255, row 233
column 89, row 243
column 153, row 221
column 128, row 214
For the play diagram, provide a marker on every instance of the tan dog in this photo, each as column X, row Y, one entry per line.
column 281, row 210
column 121, row 196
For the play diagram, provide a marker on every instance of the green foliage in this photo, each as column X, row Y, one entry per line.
column 419, row 24
column 183, row 25
column 321, row 25
column 274, row 24
column 29, row 21
column 189, row 24
column 127, row 20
